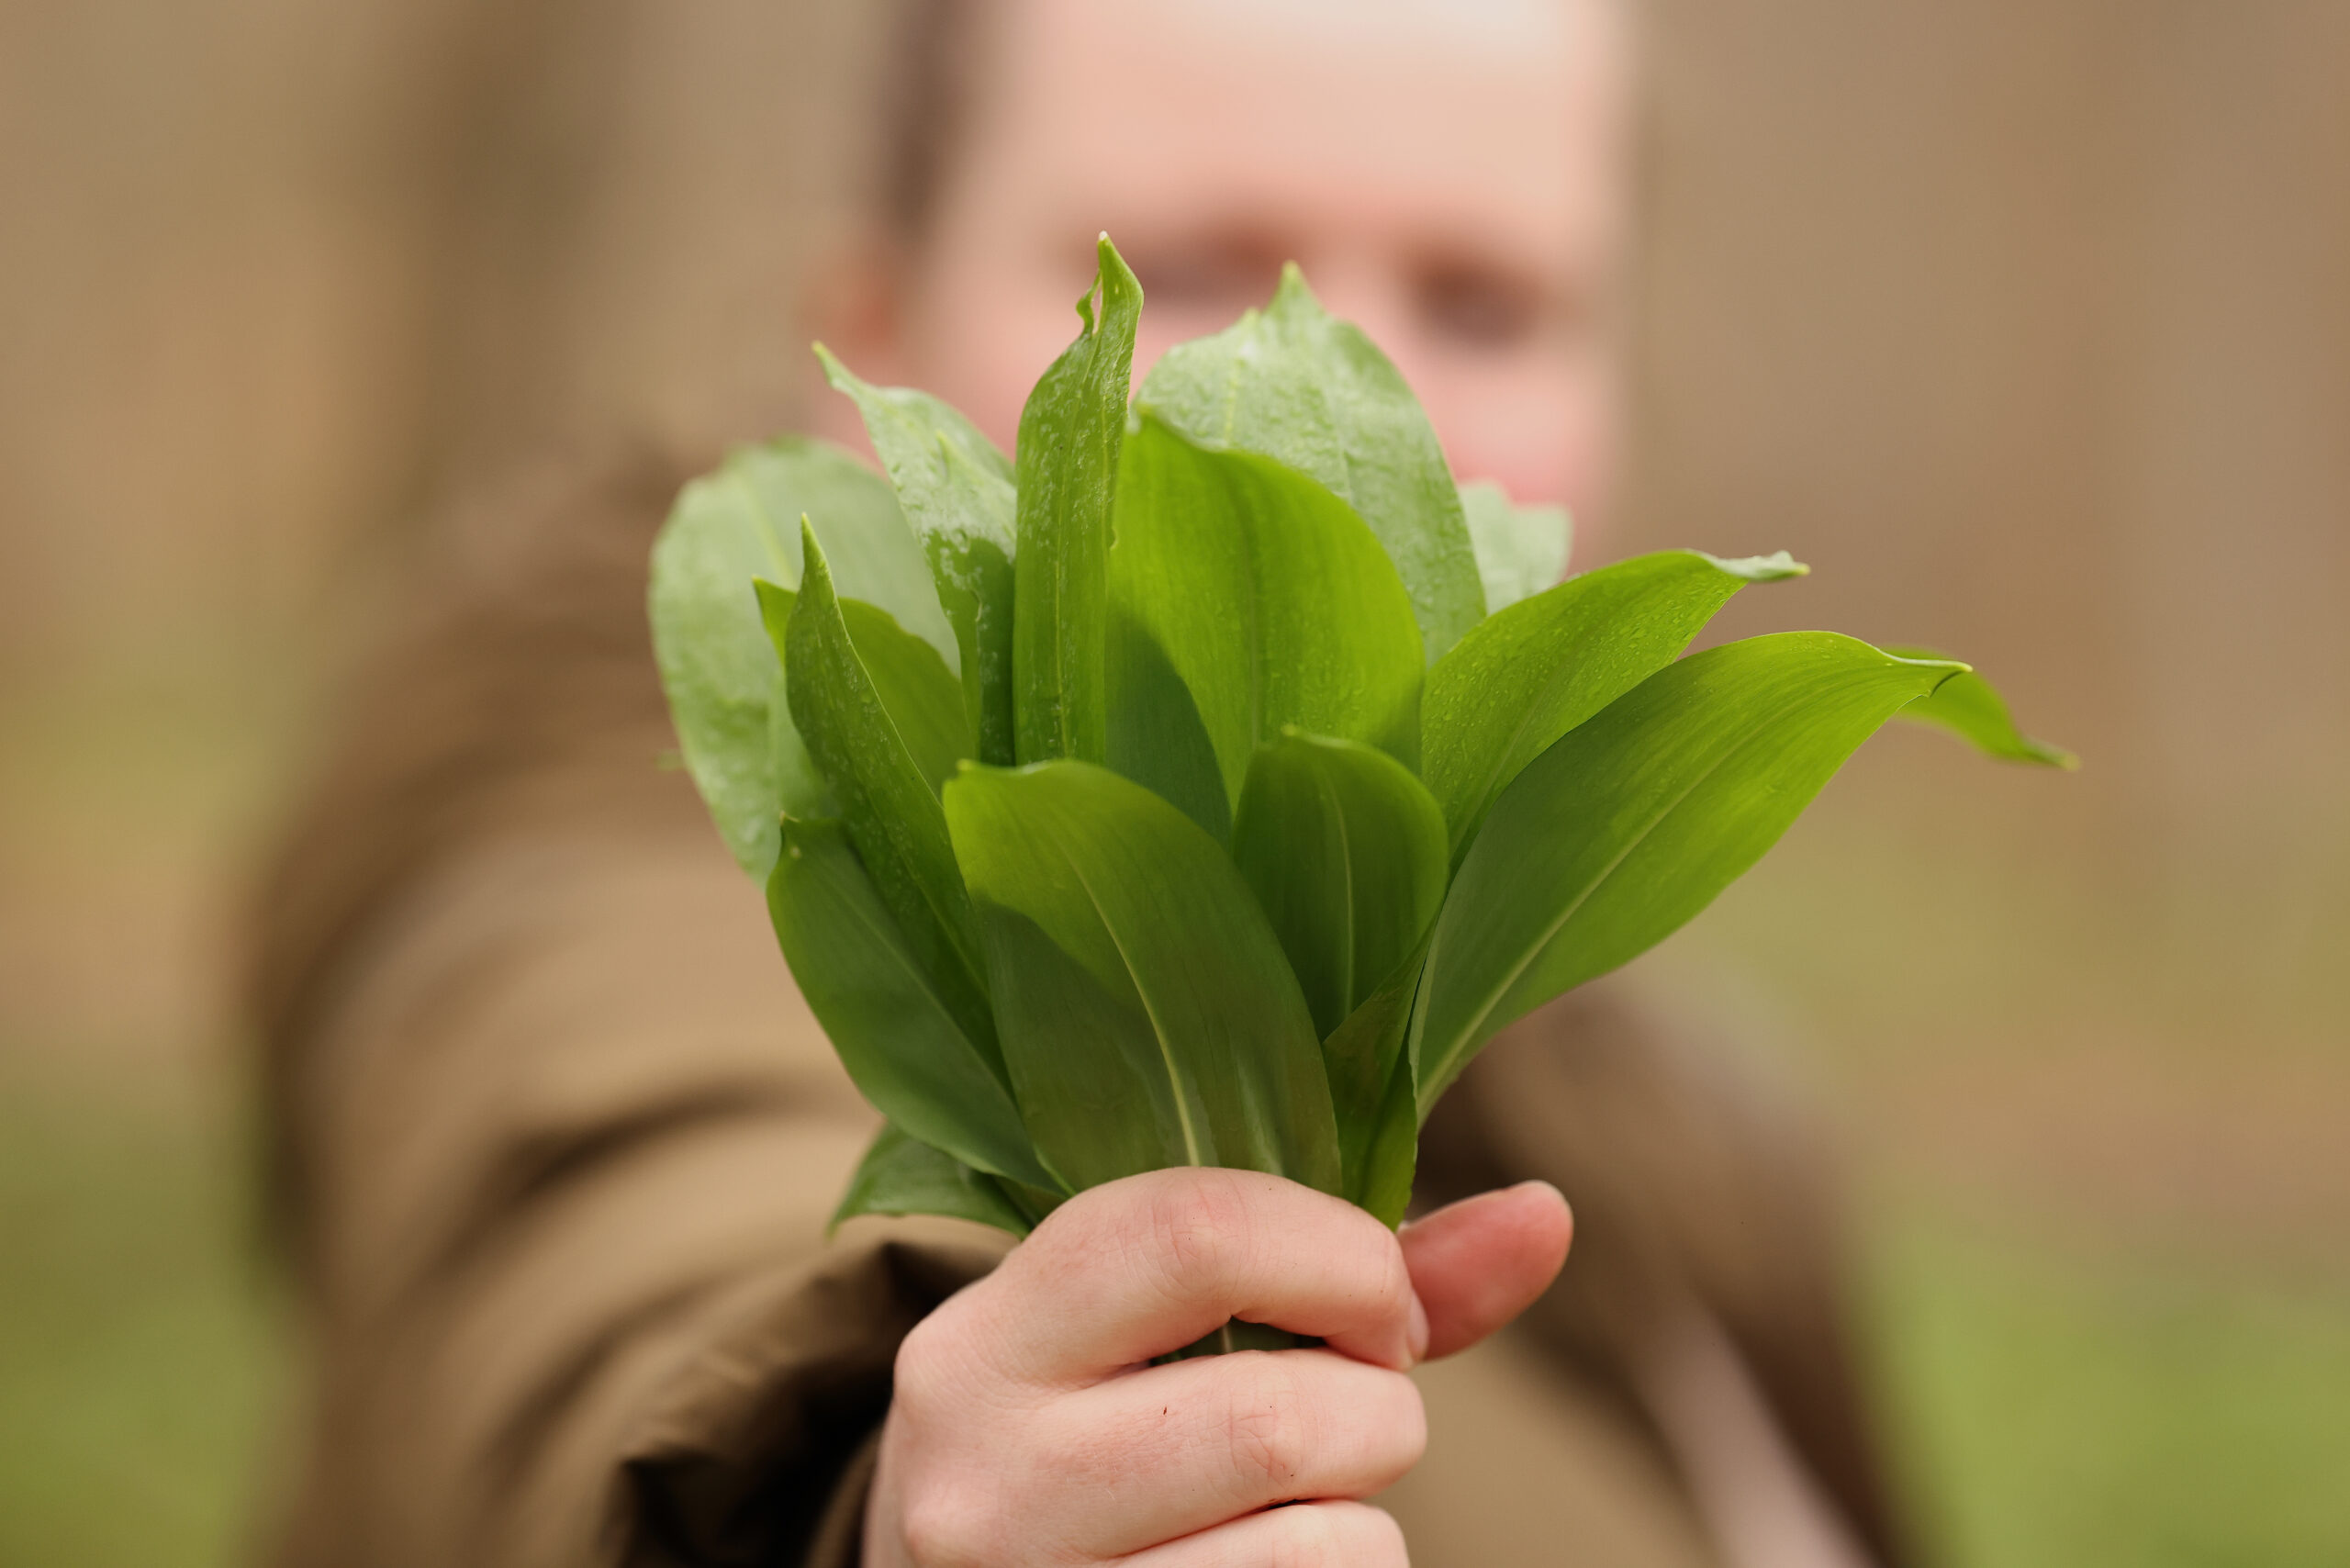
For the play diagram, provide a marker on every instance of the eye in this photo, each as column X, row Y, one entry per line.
column 1478, row 305
column 1218, row 275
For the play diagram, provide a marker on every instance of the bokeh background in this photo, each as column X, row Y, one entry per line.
column 2026, row 321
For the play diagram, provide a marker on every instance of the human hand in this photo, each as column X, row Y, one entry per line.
column 1029, row 1427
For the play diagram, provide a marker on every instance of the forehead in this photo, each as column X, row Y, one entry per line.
column 1121, row 114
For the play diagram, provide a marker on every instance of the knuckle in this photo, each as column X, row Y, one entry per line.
column 1269, row 1426
column 942, row 1529
column 1197, row 1230
column 922, row 1355
column 936, row 1370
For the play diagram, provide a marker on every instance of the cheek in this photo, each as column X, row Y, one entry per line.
column 1544, row 430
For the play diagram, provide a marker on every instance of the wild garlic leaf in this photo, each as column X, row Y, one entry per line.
column 956, row 490
column 1071, row 433
column 1968, row 706
column 1393, row 1158
column 1535, row 670
column 1146, row 1012
column 1267, row 602
column 903, row 1045
column 1371, row 1091
column 907, row 675
column 886, row 795
column 902, row 1175
column 1345, row 851
column 1628, row 825
column 727, row 528
column 1520, row 550
column 1291, row 382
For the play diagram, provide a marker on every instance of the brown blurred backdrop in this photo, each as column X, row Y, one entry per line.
column 2026, row 324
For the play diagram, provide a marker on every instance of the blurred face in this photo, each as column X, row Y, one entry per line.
column 1446, row 172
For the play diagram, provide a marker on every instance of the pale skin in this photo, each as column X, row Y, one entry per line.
column 1450, row 174
column 1029, row 1427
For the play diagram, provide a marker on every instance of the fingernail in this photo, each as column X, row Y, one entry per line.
column 1415, row 1332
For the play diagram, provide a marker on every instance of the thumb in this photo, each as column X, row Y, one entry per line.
column 1479, row 1262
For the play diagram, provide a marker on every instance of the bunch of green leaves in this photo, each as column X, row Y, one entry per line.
column 1207, row 782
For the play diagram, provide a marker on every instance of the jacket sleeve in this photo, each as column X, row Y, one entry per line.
column 573, row 1139
column 554, row 1138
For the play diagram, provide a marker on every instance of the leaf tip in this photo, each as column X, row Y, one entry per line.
column 814, row 566
column 1293, row 292
column 1777, row 567
column 1113, row 280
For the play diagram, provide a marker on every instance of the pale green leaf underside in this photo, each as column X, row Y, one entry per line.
column 728, row 528
column 1520, row 550
column 956, row 490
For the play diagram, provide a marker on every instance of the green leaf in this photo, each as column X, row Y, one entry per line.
column 886, row 795
column 908, row 677
column 905, row 1047
column 1293, row 383
column 1345, row 851
column 1632, row 823
column 1145, row 1011
column 957, row 493
column 902, row 1175
column 1068, row 465
column 727, row 528
column 1520, row 550
column 1395, row 1155
column 1537, row 669
column 1267, row 603
column 1970, row 707
column 1371, row 1088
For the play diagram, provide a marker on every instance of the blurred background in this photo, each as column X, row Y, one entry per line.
column 2026, row 321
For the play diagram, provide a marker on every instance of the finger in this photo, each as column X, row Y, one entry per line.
column 1479, row 1262
column 1176, row 1448
column 1136, row 1267
column 1310, row 1535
